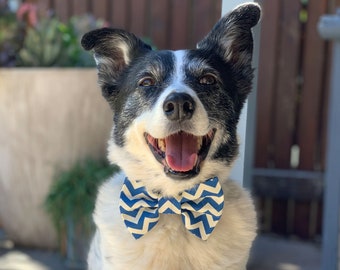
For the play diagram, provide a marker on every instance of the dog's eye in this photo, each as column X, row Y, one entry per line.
column 208, row 79
column 147, row 81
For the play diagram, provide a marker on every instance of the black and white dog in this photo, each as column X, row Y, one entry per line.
column 174, row 137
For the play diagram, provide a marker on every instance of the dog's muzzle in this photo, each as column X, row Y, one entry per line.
column 181, row 153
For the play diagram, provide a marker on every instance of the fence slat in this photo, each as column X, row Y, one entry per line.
column 100, row 9
column 287, row 83
column 217, row 10
column 79, row 7
column 179, row 35
column 202, row 9
column 279, row 220
column 158, row 23
column 62, row 9
column 118, row 14
column 266, row 80
column 138, row 17
column 302, row 219
column 311, row 96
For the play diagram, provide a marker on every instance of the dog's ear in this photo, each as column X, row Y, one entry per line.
column 113, row 50
column 231, row 37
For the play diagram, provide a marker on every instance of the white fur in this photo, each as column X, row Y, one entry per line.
column 169, row 245
column 136, row 159
column 159, row 126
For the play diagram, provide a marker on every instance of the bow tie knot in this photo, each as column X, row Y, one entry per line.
column 200, row 207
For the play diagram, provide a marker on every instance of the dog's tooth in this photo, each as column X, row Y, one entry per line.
column 161, row 144
column 199, row 142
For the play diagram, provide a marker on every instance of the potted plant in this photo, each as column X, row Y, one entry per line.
column 10, row 37
column 70, row 203
column 51, row 112
column 35, row 38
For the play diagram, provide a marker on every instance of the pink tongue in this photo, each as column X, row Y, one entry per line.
column 181, row 152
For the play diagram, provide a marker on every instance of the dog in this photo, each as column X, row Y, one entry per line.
column 175, row 116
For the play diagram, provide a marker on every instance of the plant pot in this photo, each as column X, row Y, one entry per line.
column 50, row 119
column 77, row 245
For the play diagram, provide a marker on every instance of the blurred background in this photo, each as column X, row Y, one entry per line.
column 55, row 124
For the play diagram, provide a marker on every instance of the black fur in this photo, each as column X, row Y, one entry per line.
column 110, row 58
column 158, row 65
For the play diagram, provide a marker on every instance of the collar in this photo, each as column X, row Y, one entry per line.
column 200, row 207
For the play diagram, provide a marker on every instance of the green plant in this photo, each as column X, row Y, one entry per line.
column 80, row 25
column 44, row 45
column 72, row 196
column 53, row 43
column 35, row 38
column 10, row 37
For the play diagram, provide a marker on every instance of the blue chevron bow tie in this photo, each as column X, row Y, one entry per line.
column 200, row 207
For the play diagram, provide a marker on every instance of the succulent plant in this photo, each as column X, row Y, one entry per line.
column 43, row 45
column 53, row 43
column 34, row 38
column 74, row 191
column 10, row 37
column 81, row 25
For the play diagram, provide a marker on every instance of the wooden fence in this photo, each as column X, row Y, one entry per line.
column 292, row 92
column 170, row 24
column 292, row 116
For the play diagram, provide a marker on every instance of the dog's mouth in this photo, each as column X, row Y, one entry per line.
column 181, row 153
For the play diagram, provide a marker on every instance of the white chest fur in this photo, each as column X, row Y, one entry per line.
column 169, row 245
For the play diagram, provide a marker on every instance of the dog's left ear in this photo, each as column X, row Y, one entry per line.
column 231, row 37
column 114, row 49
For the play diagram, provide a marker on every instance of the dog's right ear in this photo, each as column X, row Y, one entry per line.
column 113, row 51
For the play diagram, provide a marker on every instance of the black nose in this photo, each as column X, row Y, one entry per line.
column 179, row 106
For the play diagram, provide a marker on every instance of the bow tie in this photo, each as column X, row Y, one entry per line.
column 200, row 207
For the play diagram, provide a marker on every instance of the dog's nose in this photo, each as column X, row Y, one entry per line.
column 179, row 106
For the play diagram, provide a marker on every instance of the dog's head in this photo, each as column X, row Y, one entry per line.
column 175, row 112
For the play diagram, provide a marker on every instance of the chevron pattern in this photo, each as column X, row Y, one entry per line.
column 200, row 207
